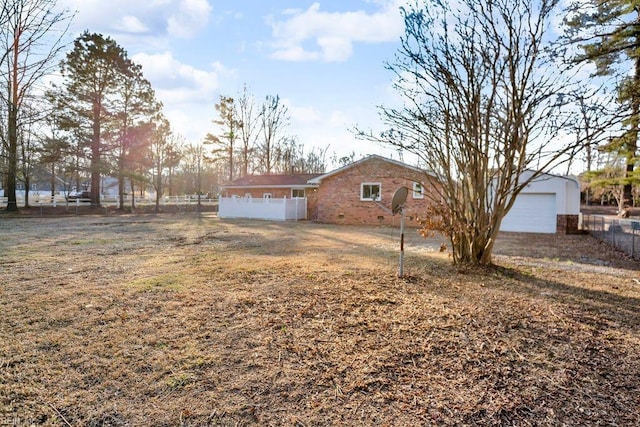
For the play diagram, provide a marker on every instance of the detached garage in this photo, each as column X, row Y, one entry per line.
column 548, row 204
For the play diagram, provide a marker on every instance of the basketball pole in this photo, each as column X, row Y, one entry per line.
column 401, row 267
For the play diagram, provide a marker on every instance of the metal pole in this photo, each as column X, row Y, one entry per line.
column 401, row 268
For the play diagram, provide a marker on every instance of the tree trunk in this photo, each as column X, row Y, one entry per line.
column 53, row 180
column 95, row 158
column 133, row 196
column 635, row 130
column 12, row 161
column 120, row 187
column 12, row 127
column 27, row 183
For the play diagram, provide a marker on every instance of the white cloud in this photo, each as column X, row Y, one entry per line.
column 302, row 115
column 333, row 33
column 176, row 82
column 131, row 24
column 191, row 16
column 157, row 18
column 188, row 93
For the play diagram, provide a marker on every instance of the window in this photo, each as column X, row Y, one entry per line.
column 247, row 195
column 297, row 192
column 370, row 191
column 418, row 191
column 266, row 195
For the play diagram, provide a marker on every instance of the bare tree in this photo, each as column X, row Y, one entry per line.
column 480, row 107
column 248, row 128
column 274, row 121
column 31, row 37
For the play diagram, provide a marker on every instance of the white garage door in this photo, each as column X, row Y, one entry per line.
column 532, row 213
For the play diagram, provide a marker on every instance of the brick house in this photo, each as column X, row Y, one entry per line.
column 359, row 193
column 275, row 186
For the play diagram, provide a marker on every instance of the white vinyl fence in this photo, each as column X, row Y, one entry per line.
column 267, row 209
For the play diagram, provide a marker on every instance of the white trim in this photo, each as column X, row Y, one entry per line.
column 254, row 186
column 418, row 193
column 371, row 199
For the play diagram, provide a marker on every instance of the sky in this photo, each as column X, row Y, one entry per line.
column 325, row 59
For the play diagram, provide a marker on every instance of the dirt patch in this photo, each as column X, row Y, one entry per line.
column 185, row 320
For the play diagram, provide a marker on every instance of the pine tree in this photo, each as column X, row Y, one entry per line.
column 223, row 145
column 608, row 35
column 92, row 74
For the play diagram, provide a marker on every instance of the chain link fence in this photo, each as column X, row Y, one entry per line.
column 622, row 234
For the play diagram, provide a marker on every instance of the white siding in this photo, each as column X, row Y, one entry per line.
column 532, row 213
column 266, row 208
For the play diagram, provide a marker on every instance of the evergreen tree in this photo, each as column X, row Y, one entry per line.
column 223, row 144
column 93, row 72
column 608, row 35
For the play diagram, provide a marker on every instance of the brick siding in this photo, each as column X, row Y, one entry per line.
column 567, row 224
column 339, row 194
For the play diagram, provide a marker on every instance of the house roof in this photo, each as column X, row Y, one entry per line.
column 547, row 175
column 319, row 178
column 273, row 181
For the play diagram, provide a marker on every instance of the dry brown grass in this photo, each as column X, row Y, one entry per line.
column 184, row 320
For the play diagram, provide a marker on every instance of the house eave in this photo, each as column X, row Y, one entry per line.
column 249, row 187
column 318, row 180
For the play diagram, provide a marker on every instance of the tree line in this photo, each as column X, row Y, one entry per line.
column 488, row 88
column 102, row 118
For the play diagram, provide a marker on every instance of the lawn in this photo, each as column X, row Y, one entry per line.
column 187, row 320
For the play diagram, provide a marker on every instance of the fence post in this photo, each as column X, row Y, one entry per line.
column 613, row 234
column 635, row 225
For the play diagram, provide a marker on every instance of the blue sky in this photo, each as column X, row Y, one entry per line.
column 325, row 59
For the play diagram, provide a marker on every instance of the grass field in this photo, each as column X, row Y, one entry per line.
column 188, row 320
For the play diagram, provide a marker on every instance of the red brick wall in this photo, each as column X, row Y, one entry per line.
column 339, row 195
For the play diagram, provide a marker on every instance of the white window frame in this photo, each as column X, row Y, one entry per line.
column 267, row 195
column 418, row 190
column 370, row 199
column 298, row 189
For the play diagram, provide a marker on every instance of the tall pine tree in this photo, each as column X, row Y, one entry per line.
column 92, row 72
column 608, row 34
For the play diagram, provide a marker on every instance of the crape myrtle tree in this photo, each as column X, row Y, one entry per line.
column 31, row 36
column 480, row 100
column 93, row 74
column 607, row 33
